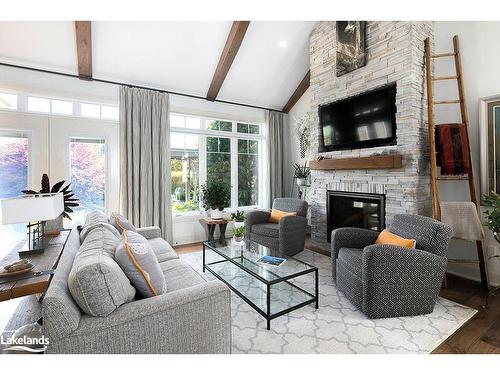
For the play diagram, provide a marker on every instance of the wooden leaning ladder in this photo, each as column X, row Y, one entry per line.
column 436, row 210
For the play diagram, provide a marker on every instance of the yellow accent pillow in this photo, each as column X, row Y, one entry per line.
column 276, row 215
column 387, row 238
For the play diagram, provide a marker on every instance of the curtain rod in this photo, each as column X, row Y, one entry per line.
column 132, row 85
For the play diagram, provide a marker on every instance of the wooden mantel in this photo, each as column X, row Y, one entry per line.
column 368, row 162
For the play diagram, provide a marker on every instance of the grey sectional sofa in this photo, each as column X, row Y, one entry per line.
column 194, row 316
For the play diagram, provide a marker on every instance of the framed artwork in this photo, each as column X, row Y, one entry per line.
column 350, row 46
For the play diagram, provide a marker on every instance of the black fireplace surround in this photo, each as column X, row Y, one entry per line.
column 360, row 210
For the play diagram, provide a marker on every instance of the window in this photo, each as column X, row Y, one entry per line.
column 61, row 107
column 109, row 112
column 13, row 164
column 204, row 150
column 69, row 108
column 38, row 104
column 225, row 126
column 90, row 110
column 185, row 172
column 219, row 159
column 8, row 101
column 87, row 161
column 248, row 172
column 248, row 128
column 14, row 161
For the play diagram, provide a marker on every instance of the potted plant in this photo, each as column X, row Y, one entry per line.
column 239, row 233
column 492, row 216
column 215, row 196
column 301, row 174
column 54, row 227
column 239, row 218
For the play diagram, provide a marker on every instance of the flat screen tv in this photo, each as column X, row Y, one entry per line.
column 366, row 120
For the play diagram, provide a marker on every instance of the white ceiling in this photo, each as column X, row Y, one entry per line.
column 175, row 56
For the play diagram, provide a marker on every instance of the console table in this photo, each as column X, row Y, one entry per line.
column 45, row 262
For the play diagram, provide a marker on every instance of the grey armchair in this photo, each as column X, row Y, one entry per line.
column 288, row 236
column 385, row 280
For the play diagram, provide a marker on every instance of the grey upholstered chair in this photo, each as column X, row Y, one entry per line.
column 386, row 280
column 288, row 236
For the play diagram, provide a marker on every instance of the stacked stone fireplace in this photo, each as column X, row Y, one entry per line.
column 394, row 54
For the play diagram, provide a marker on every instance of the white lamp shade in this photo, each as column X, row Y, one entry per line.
column 27, row 208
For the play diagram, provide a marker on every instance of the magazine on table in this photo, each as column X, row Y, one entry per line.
column 271, row 261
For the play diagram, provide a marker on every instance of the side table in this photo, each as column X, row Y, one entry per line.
column 212, row 224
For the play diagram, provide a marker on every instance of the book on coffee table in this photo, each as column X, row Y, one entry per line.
column 272, row 261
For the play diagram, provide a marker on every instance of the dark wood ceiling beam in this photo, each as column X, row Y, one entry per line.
column 83, row 32
column 299, row 91
column 233, row 43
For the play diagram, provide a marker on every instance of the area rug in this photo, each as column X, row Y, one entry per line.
column 337, row 327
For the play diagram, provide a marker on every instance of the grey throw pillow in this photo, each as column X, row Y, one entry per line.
column 121, row 223
column 96, row 282
column 138, row 260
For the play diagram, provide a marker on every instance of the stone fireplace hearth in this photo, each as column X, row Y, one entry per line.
column 395, row 53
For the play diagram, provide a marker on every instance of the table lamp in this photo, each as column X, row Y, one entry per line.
column 32, row 209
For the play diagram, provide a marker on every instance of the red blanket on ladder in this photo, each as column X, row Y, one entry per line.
column 452, row 149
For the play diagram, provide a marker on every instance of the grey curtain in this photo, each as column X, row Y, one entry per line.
column 145, row 158
column 274, row 121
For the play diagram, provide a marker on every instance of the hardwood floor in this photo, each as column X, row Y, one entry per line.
column 480, row 335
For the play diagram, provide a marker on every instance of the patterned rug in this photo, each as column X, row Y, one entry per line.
column 337, row 326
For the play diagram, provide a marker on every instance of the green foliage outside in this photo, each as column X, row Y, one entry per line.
column 185, row 194
column 492, row 216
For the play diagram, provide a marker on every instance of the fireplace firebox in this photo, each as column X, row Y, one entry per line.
column 349, row 209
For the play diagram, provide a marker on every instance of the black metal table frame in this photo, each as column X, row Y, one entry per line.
column 266, row 315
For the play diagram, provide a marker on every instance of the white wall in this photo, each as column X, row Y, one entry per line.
column 186, row 229
column 481, row 71
column 291, row 149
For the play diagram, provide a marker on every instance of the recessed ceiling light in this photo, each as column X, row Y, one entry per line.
column 283, row 43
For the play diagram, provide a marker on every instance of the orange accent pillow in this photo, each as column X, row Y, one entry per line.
column 387, row 238
column 276, row 215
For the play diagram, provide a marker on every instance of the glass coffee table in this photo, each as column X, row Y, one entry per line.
column 270, row 290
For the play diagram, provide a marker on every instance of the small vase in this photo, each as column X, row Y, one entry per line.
column 54, row 227
column 239, row 224
column 215, row 214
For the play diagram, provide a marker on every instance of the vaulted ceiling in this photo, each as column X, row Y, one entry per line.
column 272, row 59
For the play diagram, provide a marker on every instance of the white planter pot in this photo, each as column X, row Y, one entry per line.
column 301, row 181
column 238, row 239
column 238, row 224
column 216, row 214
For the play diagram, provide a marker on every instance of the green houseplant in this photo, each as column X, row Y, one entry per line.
column 239, row 218
column 301, row 173
column 215, row 196
column 239, row 233
column 492, row 200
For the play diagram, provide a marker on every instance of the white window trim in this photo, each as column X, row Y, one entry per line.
column 202, row 154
